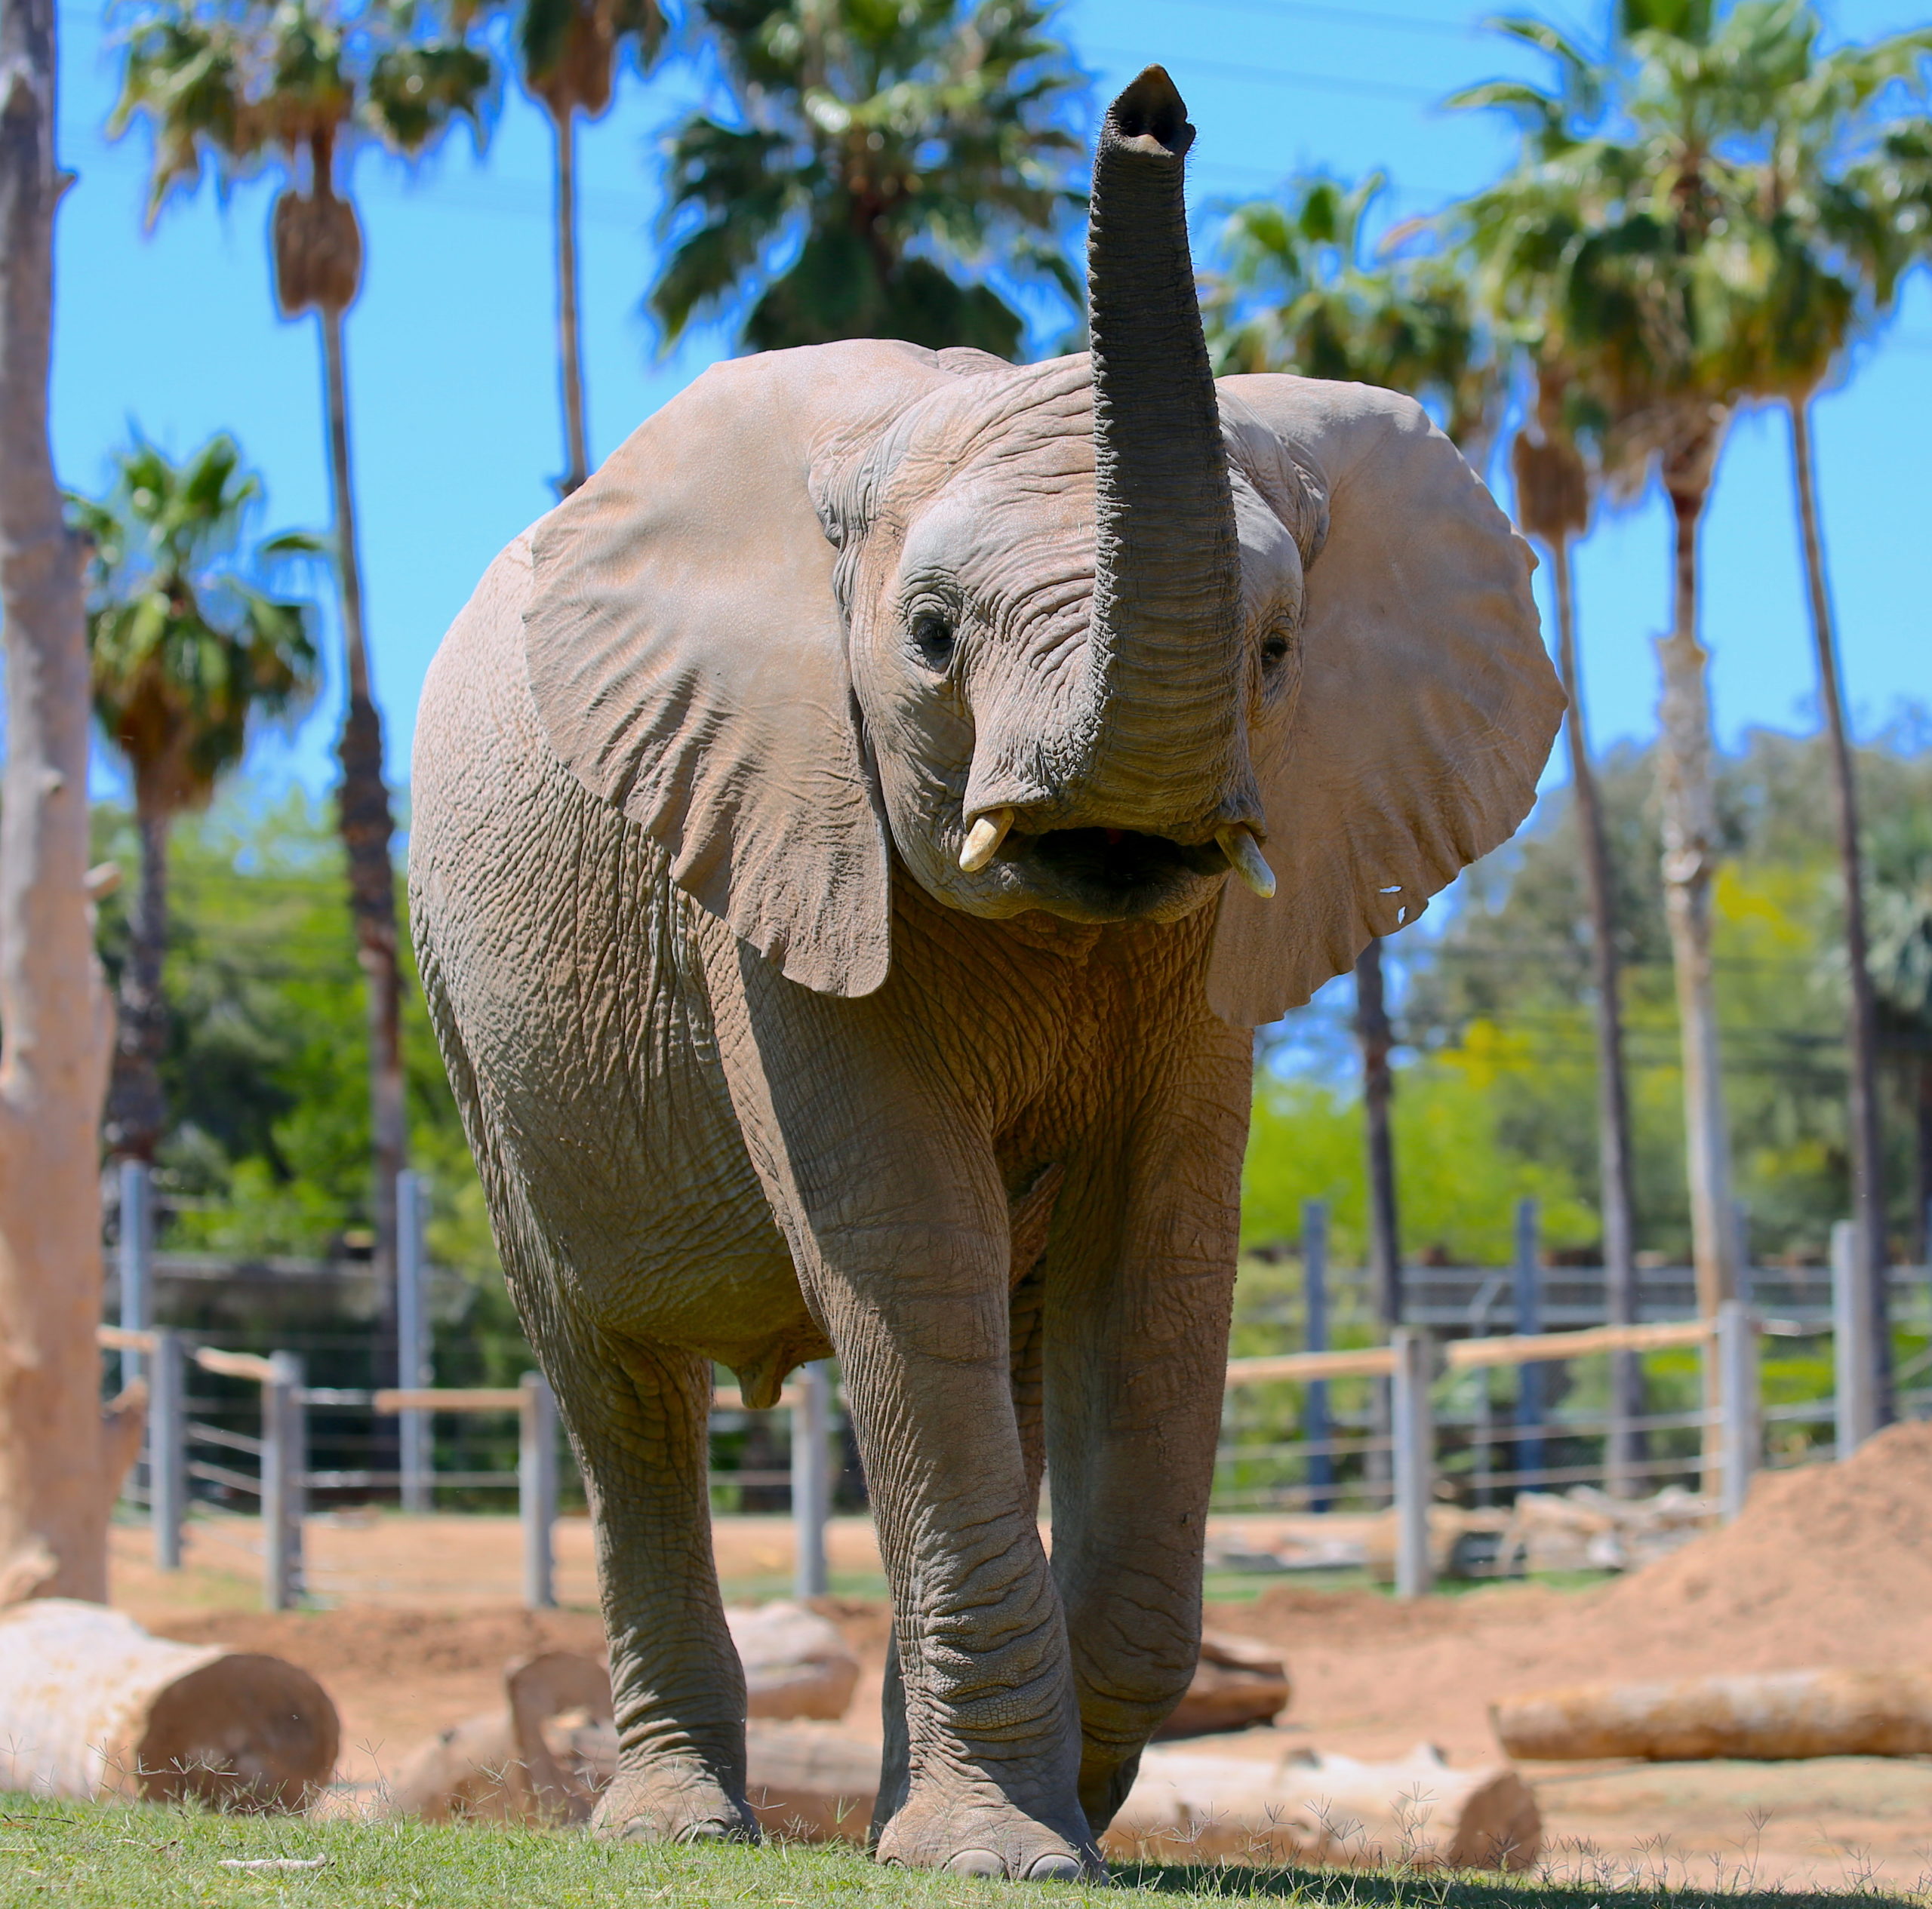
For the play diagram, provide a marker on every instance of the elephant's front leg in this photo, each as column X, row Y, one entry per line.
column 899, row 1225
column 1138, row 1300
column 989, row 1734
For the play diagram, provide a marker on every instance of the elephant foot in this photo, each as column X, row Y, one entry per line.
column 978, row 1833
column 671, row 1803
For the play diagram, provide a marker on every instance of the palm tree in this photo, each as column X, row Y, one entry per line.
column 62, row 1456
column 1842, row 201
column 896, row 148
column 1616, row 235
column 298, row 85
column 1294, row 287
column 568, row 51
column 1553, row 485
column 185, row 653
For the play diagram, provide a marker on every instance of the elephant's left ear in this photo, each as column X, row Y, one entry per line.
column 1426, row 704
column 688, row 659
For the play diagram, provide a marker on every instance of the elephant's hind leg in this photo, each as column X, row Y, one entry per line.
column 639, row 1416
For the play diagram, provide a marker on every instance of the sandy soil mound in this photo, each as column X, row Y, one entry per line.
column 1831, row 1564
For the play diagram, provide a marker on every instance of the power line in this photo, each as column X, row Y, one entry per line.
column 1349, row 17
column 1281, row 76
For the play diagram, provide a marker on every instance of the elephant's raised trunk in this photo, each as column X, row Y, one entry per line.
column 1167, row 661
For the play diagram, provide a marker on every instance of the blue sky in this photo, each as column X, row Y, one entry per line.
column 455, row 420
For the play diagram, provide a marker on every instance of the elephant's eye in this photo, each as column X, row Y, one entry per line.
column 933, row 636
column 1274, row 648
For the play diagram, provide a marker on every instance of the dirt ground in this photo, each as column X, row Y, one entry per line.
column 1831, row 1567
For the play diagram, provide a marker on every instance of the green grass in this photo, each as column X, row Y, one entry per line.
column 144, row 1857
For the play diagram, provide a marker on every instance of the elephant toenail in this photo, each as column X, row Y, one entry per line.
column 714, row 1830
column 974, row 1862
column 1055, row 1867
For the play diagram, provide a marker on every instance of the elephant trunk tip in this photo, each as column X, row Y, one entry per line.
column 1150, row 116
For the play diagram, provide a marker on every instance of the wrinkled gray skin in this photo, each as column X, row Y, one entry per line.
column 756, row 1072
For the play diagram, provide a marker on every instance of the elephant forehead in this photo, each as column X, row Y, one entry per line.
column 987, row 523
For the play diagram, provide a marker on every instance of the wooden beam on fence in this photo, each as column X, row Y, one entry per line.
column 236, row 1365
column 119, row 1339
column 453, row 1398
column 727, row 1398
column 1537, row 1348
column 1358, row 1362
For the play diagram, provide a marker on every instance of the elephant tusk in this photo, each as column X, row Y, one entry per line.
column 1244, row 857
column 983, row 838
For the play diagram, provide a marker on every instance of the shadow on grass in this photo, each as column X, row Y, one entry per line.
column 1422, row 1889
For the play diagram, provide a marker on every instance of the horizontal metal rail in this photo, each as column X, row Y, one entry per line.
column 232, row 1441
column 219, row 1474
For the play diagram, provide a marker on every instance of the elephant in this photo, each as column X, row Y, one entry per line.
column 854, row 837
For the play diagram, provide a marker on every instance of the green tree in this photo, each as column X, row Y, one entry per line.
column 568, row 51
column 186, row 653
column 1842, row 200
column 1615, row 239
column 876, row 153
column 1293, row 286
column 299, row 85
column 1900, row 963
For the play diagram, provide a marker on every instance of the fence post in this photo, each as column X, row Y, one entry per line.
column 284, row 1465
column 1737, row 1392
column 1852, row 1348
column 136, row 1259
column 412, row 1342
column 1414, row 1429
column 1317, row 1427
column 537, row 1491
column 811, row 1479
column 168, row 1458
column 1529, row 1453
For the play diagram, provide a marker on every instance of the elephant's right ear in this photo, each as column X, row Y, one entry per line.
column 687, row 655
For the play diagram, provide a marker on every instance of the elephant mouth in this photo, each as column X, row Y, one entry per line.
column 1113, row 875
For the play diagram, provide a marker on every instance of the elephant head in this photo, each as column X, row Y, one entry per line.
column 1082, row 637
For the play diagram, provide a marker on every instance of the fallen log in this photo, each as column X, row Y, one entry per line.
column 813, row 1782
column 814, row 1785
column 1763, row 1719
column 522, row 1763
column 1328, row 1812
column 797, row 1664
column 92, row 1706
column 1237, row 1685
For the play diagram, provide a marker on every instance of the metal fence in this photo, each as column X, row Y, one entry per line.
column 1298, row 1450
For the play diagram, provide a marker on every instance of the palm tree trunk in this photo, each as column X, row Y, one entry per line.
column 61, row 1460
column 1385, row 1260
column 1620, row 1260
column 1377, row 1038
column 1688, row 787
column 367, row 829
column 1868, row 1184
column 569, row 339
column 1921, row 1177
column 136, row 1110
